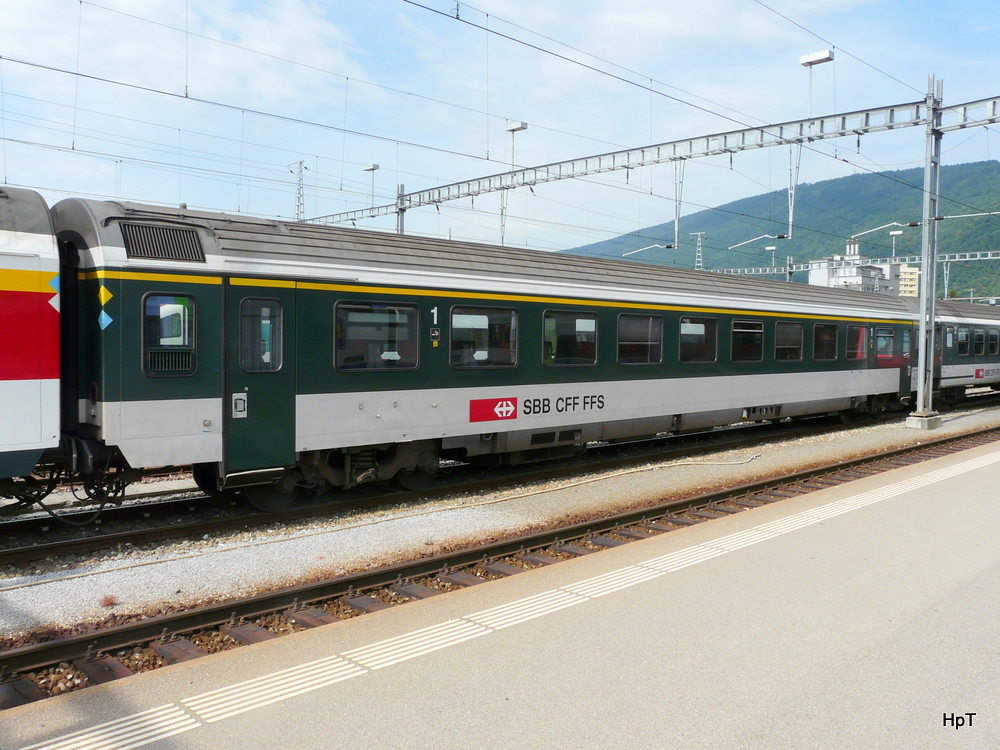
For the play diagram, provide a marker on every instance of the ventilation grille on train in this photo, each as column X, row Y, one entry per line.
column 169, row 361
column 163, row 243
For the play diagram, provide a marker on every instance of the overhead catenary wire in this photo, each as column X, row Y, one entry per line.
column 370, row 135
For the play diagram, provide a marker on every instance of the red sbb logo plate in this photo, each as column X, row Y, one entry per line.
column 491, row 409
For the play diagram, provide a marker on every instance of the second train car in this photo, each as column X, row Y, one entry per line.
column 278, row 357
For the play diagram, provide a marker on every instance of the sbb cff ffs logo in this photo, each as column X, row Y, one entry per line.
column 492, row 409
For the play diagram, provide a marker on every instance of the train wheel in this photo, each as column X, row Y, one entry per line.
column 270, row 498
column 204, row 476
column 414, row 481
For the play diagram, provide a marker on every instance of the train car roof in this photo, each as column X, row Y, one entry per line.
column 247, row 244
column 966, row 311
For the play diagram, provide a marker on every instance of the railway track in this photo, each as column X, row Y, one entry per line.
column 195, row 514
column 109, row 653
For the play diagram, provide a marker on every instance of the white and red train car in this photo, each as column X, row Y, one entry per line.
column 29, row 332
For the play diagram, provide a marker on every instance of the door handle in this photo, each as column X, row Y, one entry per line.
column 239, row 406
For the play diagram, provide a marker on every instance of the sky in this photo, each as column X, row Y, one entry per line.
column 222, row 104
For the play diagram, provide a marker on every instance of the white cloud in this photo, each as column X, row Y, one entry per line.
column 450, row 86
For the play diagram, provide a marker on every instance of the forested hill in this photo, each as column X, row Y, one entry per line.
column 826, row 214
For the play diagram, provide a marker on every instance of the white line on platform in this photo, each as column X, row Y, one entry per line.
column 159, row 723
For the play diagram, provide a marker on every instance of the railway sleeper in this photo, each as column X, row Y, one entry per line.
column 537, row 558
column 177, row 650
column 365, row 604
column 702, row 513
column 413, row 590
column 18, row 692
column 102, row 668
column 679, row 520
column 502, row 569
column 573, row 549
column 634, row 534
column 464, row 580
column 662, row 528
column 247, row 633
column 309, row 617
column 747, row 503
column 606, row 541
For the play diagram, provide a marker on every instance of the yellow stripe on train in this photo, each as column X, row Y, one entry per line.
column 26, row 281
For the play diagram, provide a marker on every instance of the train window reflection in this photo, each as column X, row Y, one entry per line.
column 698, row 339
column 857, row 342
column 825, row 342
column 260, row 335
column 168, row 334
column 962, row 339
column 483, row 337
column 570, row 338
column 375, row 337
column 640, row 339
column 979, row 342
column 747, row 341
column 788, row 342
column 885, row 342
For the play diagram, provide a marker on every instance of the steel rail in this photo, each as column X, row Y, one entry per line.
column 712, row 441
column 127, row 635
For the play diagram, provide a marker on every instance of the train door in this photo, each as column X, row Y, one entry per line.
column 944, row 340
column 260, row 375
column 892, row 351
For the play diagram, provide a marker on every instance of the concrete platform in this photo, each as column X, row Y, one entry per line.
column 862, row 616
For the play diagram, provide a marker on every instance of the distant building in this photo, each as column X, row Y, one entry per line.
column 909, row 281
column 851, row 271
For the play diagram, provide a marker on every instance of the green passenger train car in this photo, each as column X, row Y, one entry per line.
column 279, row 357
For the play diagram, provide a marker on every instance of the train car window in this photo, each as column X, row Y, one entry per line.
column 698, row 340
column 885, row 342
column 994, row 342
column 825, row 342
column 168, row 335
column 260, row 335
column 747, row 341
column 569, row 339
column 907, row 342
column 949, row 337
column 962, row 340
column 640, row 339
column 788, row 342
column 483, row 337
column 375, row 336
column 979, row 342
column 857, row 342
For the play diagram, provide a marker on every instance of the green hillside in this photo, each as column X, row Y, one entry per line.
column 827, row 213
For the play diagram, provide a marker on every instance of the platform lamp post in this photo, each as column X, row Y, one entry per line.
column 772, row 248
column 811, row 61
column 512, row 128
column 373, row 168
column 648, row 247
column 894, row 234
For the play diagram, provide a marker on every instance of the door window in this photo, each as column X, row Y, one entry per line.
column 260, row 335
